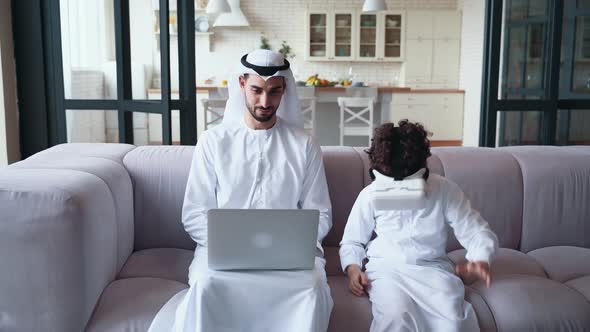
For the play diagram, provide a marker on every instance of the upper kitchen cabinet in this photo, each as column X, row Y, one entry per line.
column 380, row 36
column 434, row 49
column 330, row 36
column 342, row 36
column 352, row 36
column 318, row 38
column 392, row 36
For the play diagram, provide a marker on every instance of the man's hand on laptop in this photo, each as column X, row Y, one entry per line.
column 357, row 280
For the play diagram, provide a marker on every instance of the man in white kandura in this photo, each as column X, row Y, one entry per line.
column 259, row 158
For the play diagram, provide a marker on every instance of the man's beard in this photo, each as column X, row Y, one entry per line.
column 260, row 118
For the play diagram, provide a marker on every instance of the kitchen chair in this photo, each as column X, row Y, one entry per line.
column 213, row 111
column 356, row 117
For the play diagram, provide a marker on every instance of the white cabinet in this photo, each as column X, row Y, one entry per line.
column 419, row 24
column 433, row 49
column 418, row 65
column 318, row 37
column 331, row 35
column 343, row 36
column 440, row 113
column 446, row 62
column 354, row 36
column 446, row 24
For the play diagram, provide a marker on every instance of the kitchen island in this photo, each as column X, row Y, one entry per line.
column 440, row 110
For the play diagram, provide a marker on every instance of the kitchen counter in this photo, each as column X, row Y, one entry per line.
column 381, row 89
column 327, row 117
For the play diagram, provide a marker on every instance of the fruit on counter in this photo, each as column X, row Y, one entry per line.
column 223, row 82
column 345, row 82
column 314, row 80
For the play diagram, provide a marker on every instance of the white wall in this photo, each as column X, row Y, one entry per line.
column 9, row 134
column 285, row 20
column 471, row 67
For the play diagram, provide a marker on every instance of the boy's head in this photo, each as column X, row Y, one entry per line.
column 399, row 151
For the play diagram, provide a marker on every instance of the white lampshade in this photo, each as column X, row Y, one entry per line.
column 371, row 6
column 218, row 7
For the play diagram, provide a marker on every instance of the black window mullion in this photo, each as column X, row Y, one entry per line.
column 187, row 80
column 165, row 72
column 549, row 124
column 123, row 58
column 491, row 70
column 54, row 65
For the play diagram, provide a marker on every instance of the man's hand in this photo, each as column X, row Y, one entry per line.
column 357, row 280
column 480, row 270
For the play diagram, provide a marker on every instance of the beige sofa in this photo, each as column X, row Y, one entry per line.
column 91, row 237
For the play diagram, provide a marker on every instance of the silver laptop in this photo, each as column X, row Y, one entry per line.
column 262, row 239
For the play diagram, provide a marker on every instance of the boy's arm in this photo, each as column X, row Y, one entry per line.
column 358, row 231
column 472, row 231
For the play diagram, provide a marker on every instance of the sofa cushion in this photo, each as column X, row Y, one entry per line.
column 582, row 285
column 57, row 247
column 345, row 175
column 131, row 304
column 351, row 313
column 112, row 173
column 530, row 303
column 113, row 151
column 485, row 319
column 506, row 262
column 490, row 179
column 563, row 263
column 332, row 256
column 159, row 175
column 164, row 263
column 555, row 206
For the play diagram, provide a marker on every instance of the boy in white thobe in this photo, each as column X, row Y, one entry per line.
column 409, row 279
column 259, row 157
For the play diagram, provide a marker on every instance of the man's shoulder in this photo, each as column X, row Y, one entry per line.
column 218, row 132
column 298, row 132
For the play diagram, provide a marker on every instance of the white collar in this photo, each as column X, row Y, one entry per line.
column 384, row 178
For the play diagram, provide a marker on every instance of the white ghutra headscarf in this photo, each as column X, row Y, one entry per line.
column 266, row 64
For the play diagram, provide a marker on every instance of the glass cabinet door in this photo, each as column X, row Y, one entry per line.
column 318, row 35
column 368, row 36
column 393, row 35
column 343, row 35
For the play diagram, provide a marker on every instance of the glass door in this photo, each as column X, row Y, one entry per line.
column 367, row 37
column 343, row 36
column 392, row 26
column 318, row 35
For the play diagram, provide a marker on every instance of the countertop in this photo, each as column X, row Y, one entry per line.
column 381, row 89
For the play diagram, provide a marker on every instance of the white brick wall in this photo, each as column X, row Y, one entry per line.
column 285, row 20
column 471, row 67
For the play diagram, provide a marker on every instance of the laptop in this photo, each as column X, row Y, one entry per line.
column 262, row 239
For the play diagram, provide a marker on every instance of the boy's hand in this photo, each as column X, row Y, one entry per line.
column 357, row 280
column 480, row 270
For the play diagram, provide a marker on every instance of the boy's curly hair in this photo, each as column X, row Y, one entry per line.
column 399, row 151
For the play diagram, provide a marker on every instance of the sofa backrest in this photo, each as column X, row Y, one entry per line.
column 159, row 175
column 507, row 186
column 556, row 195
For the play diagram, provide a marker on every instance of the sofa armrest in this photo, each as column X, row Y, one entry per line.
column 57, row 248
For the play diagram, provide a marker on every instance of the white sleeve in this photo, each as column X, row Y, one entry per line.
column 200, row 194
column 472, row 231
column 358, row 231
column 315, row 193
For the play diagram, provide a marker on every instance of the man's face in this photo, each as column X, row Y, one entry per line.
column 263, row 97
